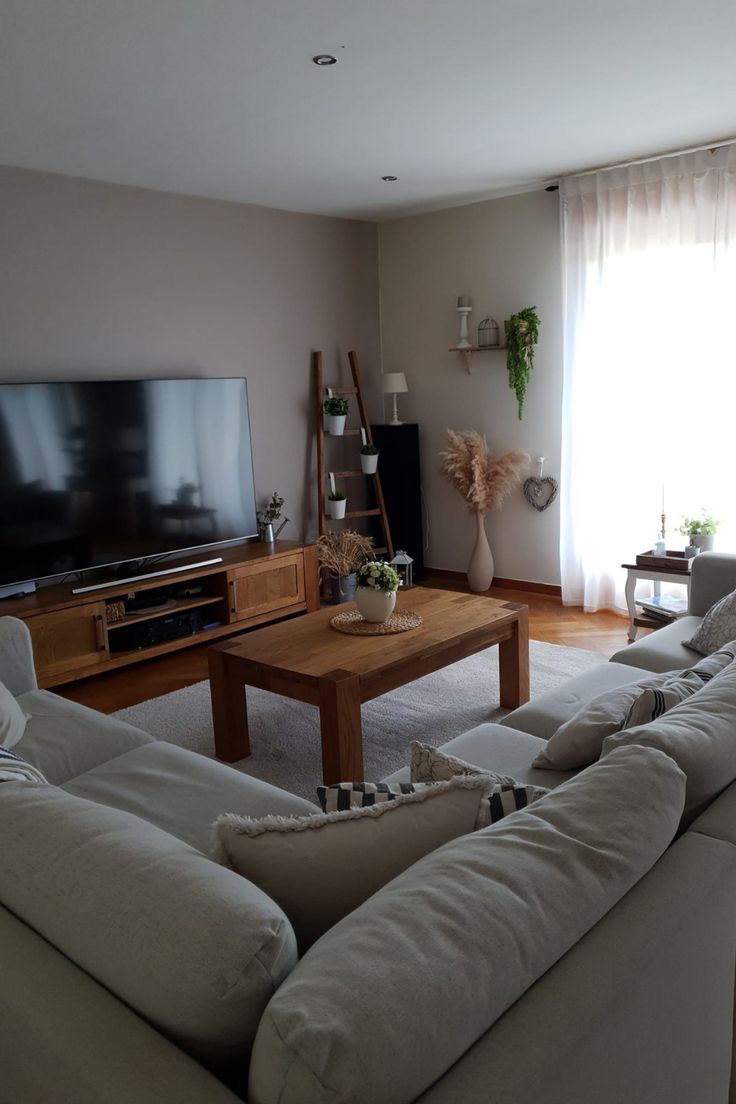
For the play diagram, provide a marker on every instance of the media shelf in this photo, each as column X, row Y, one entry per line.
column 76, row 636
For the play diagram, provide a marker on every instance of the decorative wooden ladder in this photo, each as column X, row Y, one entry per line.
column 379, row 511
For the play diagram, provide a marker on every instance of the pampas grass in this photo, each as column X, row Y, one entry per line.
column 484, row 481
column 342, row 553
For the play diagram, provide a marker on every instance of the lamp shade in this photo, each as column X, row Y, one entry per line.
column 394, row 383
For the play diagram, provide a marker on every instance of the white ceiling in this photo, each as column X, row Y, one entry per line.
column 461, row 100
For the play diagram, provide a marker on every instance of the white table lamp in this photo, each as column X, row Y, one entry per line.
column 394, row 383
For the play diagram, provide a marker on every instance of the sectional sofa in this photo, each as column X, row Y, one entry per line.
column 580, row 950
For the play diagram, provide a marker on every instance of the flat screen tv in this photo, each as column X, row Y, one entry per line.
column 97, row 474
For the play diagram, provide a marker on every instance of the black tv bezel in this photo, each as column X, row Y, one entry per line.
column 151, row 556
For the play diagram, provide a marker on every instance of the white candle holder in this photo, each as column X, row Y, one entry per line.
column 464, row 313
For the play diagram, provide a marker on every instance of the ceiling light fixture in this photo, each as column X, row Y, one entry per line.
column 324, row 59
column 387, row 178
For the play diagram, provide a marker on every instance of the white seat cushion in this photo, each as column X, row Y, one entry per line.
column 64, row 739
column 182, row 792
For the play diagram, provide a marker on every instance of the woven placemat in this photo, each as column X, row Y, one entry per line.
column 355, row 624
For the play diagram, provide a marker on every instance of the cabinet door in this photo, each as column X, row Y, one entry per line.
column 68, row 640
column 266, row 587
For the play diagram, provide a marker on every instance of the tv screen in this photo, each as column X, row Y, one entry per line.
column 95, row 474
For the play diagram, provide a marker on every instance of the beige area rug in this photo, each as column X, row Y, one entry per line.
column 284, row 734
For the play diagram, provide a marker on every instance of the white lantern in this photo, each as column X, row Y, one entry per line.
column 401, row 563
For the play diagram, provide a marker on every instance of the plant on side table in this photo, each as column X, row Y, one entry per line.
column 369, row 459
column 340, row 555
column 522, row 334
column 375, row 596
column 700, row 531
column 484, row 482
column 336, row 503
column 336, row 410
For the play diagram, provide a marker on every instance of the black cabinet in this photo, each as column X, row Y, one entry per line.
column 398, row 466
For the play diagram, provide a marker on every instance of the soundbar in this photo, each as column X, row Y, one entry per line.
column 144, row 578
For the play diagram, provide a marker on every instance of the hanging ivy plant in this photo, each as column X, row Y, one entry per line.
column 522, row 334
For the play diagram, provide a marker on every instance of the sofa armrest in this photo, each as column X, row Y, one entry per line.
column 17, row 670
column 713, row 576
column 66, row 1040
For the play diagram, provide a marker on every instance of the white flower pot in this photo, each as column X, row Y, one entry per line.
column 375, row 605
column 369, row 463
column 336, row 507
column 336, row 424
column 704, row 544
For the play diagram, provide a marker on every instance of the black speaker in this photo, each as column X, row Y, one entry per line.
column 398, row 466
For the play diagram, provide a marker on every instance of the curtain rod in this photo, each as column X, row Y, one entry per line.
column 712, row 147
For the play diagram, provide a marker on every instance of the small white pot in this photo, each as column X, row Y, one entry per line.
column 375, row 605
column 336, row 424
column 336, row 507
column 369, row 463
column 703, row 544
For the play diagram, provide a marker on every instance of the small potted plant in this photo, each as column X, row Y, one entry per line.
column 340, row 555
column 336, row 503
column 336, row 410
column 375, row 595
column 522, row 334
column 369, row 459
column 700, row 531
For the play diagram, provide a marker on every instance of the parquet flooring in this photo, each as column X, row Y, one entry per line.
column 549, row 621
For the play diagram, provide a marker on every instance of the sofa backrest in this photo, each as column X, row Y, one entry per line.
column 389, row 999
column 713, row 574
column 192, row 947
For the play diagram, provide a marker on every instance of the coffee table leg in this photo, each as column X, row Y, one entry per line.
column 513, row 663
column 342, row 737
column 229, row 710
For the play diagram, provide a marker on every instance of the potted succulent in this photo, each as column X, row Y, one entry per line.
column 340, row 555
column 336, row 410
column 336, row 503
column 522, row 334
column 369, row 459
column 375, row 595
column 700, row 531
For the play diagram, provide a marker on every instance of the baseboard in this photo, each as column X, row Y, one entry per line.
column 505, row 584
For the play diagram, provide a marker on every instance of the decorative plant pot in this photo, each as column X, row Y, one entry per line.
column 341, row 588
column 336, row 424
column 480, row 568
column 704, row 544
column 336, row 507
column 369, row 463
column 375, row 605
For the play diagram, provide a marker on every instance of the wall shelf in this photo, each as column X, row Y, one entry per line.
column 470, row 350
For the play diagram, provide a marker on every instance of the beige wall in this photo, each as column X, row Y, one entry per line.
column 505, row 254
column 99, row 281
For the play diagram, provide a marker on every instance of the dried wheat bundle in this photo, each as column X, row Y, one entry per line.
column 343, row 553
column 484, row 481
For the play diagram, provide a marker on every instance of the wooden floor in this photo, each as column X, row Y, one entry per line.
column 549, row 621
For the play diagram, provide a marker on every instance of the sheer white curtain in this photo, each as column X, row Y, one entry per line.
column 649, row 286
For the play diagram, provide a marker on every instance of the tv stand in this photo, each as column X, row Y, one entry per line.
column 147, row 575
column 74, row 631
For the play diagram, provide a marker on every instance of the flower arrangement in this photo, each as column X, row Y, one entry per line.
column 342, row 553
column 378, row 576
column 335, row 407
column 704, row 526
column 522, row 334
column 272, row 511
column 484, row 481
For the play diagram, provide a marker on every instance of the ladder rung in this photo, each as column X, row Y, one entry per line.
column 348, row 474
column 354, row 514
column 380, row 550
column 345, row 433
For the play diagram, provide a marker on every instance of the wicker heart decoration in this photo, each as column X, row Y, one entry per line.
column 540, row 493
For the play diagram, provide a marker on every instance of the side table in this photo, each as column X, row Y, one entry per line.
column 657, row 576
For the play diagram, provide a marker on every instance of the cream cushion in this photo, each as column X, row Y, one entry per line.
column 190, row 946
column 320, row 868
column 700, row 735
column 385, row 1003
column 12, row 719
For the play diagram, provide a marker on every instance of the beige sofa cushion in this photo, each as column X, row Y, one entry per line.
column 700, row 735
column 190, row 946
column 397, row 992
column 320, row 868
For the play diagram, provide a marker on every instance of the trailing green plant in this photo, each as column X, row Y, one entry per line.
column 704, row 526
column 378, row 576
column 336, row 496
column 335, row 406
column 369, row 450
column 521, row 337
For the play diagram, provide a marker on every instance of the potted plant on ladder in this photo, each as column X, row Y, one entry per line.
column 336, row 409
column 369, row 459
column 336, row 503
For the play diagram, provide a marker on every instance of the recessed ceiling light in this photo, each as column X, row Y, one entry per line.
column 324, row 59
column 387, row 178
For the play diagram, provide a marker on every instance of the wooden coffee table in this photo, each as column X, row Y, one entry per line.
column 309, row 661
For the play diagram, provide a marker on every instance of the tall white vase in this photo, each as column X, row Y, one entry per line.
column 480, row 568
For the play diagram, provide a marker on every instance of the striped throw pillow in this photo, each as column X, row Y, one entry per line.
column 359, row 795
